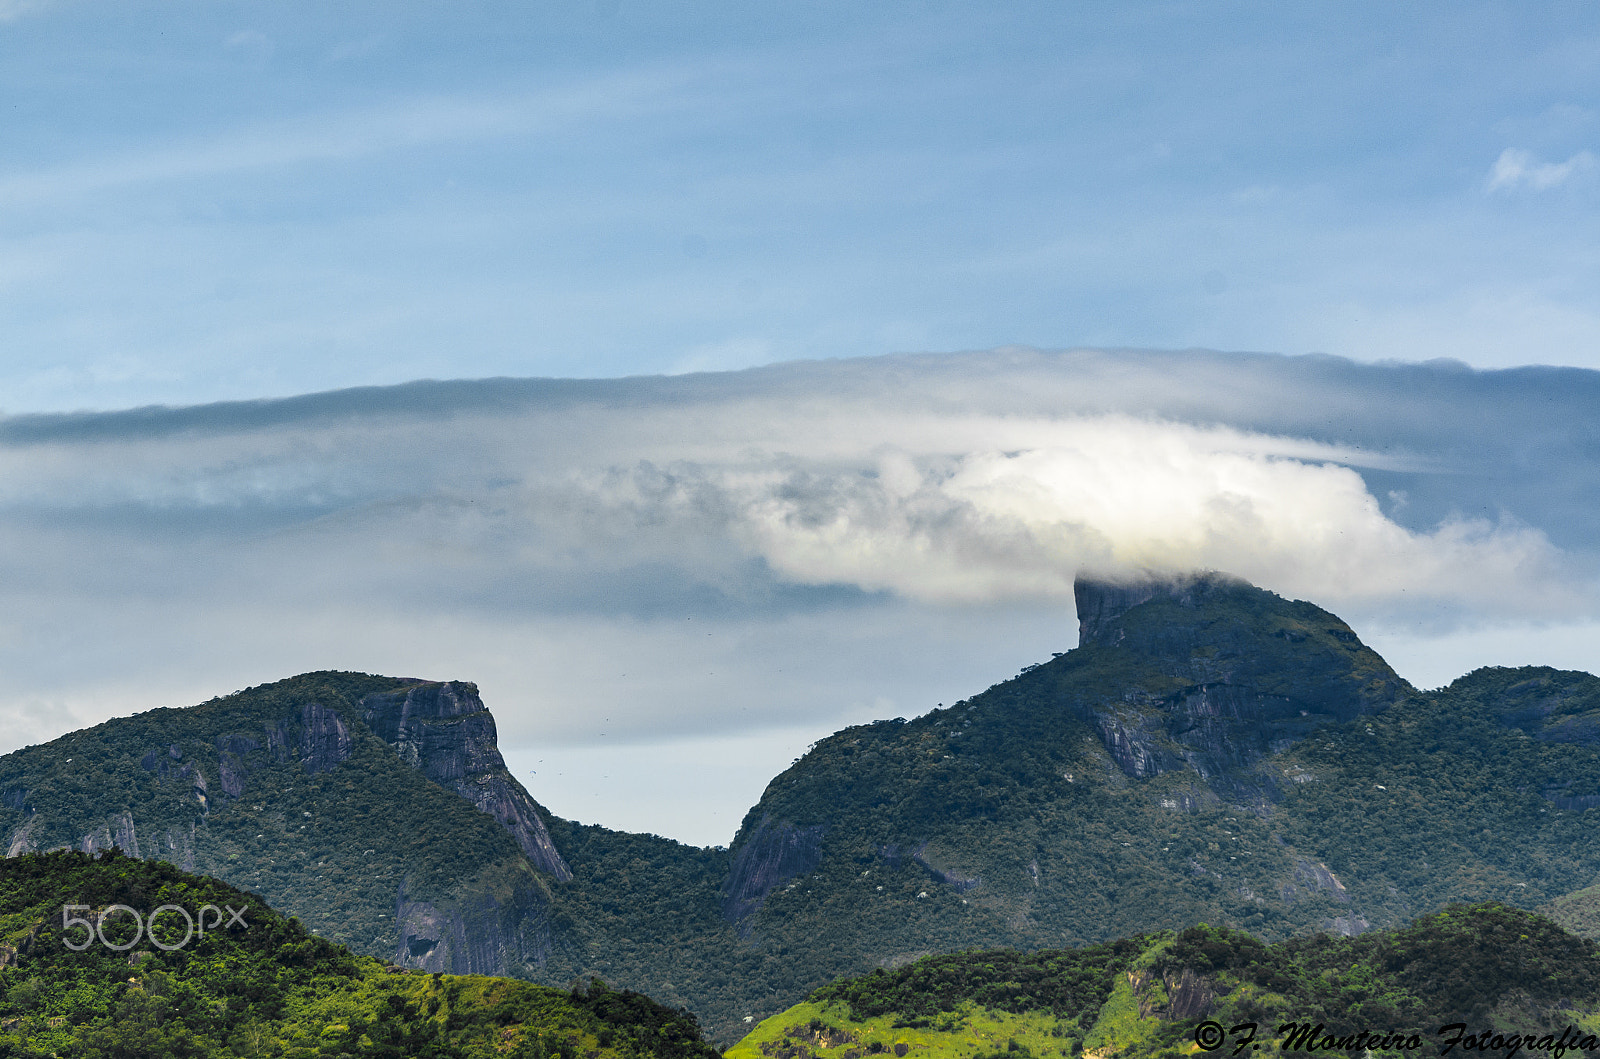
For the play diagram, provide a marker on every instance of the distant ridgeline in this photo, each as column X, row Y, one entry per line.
column 111, row 956
column 1461, row 975
column 1210, row 753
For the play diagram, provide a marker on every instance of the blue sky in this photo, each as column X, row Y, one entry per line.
column 667, row 587
column 221, row 200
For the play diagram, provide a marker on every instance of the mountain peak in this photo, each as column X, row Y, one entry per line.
column 1103, row 601
column 1230, row 672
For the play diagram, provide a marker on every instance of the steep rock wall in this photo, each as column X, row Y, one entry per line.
column 496, row 931
column 771, row 856
column 444, row 731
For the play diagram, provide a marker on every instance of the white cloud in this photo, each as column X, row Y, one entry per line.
column 878, row 494
column 998, row 510
column 1517, row 169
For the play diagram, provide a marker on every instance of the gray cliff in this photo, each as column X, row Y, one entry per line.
column 445, row 731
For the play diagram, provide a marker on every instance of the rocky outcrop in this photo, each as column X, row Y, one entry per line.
column 168, row 764
column 22, row 838
column 21, row 945
column 1101, row 602
column 771, row 856
column 1189, row 996
column 1135, row 741
column 444, row 731
column 232, row 764
column 1316, row 877
column 1177, row 994
column 178, row 846
column 483, row 934
column 1552, row 705
column 1349, row 926
column 326, row 741
column 316, row 735
column 117, row 831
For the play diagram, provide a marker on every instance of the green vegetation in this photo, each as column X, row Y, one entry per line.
column 644, row 911
column 1440, row 799
column 1578, row 912
column 1490, row 966
column 268, row 987
column 1067, row 983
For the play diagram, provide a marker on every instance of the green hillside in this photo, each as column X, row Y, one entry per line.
column 258, row 984
column 1458, row 795
column 645, row 913
column 1490, row 967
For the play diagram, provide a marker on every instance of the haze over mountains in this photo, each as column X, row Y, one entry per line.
column 1210, row 752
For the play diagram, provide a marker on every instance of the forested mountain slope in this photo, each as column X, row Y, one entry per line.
column 1210, row 753
column 1164, row 774
column 286, row 790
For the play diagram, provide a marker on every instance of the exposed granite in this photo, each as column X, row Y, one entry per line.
column 771, row 856
column 444, row 731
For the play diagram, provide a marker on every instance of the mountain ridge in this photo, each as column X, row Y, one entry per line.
column 1160, row 774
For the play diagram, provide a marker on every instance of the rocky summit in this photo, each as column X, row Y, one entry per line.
column 1239, row 677
column 1209, row 752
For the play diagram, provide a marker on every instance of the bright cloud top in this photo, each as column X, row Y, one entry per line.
column 1114, row 495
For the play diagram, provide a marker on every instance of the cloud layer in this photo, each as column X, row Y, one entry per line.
column 777, row 550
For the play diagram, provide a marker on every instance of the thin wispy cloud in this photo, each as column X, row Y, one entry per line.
column 322, row 137
column 1517, row 170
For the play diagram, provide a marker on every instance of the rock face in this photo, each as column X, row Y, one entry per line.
column 1235, row 674
column 771, row 856
column 444, row 731
column 1101, row 603
column 489, row 933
